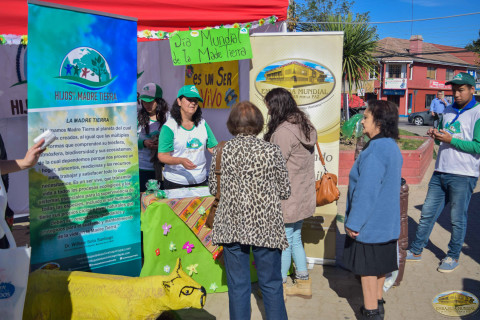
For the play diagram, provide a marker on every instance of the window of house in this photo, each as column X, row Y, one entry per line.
column 410, row 100
column 373, row 74
column 395, row 71
column 450, row 74
column 428, row 100
column 431, row 73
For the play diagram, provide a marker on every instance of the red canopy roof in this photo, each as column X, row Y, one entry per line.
column 165, row 15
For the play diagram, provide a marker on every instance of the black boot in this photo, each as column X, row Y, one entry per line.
column 381, row 308
column 370, row 314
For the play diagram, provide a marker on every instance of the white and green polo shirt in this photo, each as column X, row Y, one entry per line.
column 190, row 144
column 462, row 155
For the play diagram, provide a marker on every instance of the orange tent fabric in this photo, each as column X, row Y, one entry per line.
column 165, row 15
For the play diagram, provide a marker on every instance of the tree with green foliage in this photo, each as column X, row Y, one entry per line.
column 307, row 15
column 474, row 45
column 359, row 43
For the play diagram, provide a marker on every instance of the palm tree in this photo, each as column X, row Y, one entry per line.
column 359, row 42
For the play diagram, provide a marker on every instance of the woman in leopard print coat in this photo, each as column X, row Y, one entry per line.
column 249, row 217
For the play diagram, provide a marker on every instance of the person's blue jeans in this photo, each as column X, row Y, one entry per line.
column 237, row 266
column 444, row 188
column 295, row 249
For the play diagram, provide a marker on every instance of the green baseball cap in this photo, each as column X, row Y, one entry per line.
column 150, row 92
column 462, row 78
column 189, row 91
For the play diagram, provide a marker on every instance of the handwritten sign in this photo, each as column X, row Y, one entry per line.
column 217, row 83
column 210, row 45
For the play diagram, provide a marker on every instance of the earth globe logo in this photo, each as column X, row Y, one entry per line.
column 87, row 68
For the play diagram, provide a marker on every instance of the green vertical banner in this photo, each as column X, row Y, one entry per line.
column 84, row 195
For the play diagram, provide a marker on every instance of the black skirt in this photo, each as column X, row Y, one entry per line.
column 370, row 259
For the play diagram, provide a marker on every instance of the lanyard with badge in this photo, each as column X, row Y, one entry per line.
column 450, row 127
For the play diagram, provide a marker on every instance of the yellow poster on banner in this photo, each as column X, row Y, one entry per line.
column 216, row 82
column 309, row 65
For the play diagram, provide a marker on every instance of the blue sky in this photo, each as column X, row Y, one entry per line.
column 456, row 32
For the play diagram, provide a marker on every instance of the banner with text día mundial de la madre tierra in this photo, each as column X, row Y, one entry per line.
column 84, row 195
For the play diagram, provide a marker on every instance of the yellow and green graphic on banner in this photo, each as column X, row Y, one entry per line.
column 216, row 82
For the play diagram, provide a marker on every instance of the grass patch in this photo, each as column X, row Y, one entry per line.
column 406, row 133
column 409, row 144
column 403, row 143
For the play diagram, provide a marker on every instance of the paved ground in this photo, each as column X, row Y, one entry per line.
column 420, row 130
column 337, row 293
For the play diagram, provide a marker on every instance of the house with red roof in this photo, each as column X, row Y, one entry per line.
column 411, row 72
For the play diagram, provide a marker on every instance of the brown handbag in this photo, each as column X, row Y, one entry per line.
column 213, row 208
column 326, row 187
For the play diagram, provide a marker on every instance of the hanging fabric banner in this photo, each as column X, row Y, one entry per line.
column 13, row 82
column 216, row 82
column 309, row 65
column 84, row 196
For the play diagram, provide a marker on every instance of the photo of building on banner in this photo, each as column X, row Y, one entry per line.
column 216, row 82
column 84, row 195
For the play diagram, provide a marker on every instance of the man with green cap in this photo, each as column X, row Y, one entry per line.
column 456, row 171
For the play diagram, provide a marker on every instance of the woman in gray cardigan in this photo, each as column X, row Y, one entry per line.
column 289, row 128
column 249, row 216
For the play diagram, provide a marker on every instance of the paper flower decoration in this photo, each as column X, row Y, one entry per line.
column 192, row 269
column 188, row 246
column 201, row 211
column 172, row 246
column 2, row 39
column 236, row 25
column 147, row 33
column 160, row 34
column 166, row 228
column 213, row 287
column 24, row 40
column 157, row 252
column 261, row 22
column 248, row 25
column 272, row 19
column 166, row 268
